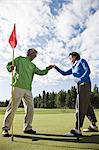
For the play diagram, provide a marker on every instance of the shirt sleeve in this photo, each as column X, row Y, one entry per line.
column 41, row 72
column 10, row 63
column 69, row 72
column 86, row 68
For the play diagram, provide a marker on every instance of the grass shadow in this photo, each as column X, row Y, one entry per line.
column 62, row 138
column 90, row 139
column 43, row 137
column 56, row 135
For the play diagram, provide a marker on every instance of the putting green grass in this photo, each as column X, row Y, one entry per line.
column 49, row 121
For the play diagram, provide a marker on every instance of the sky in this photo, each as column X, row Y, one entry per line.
column 54, row 28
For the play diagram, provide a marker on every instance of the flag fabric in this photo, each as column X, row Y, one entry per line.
column 13, row 38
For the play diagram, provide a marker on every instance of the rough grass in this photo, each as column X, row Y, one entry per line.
column 51, row 122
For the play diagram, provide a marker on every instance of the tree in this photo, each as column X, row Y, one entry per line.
column 44, row 99
column 68, row 102
column 60, row 99
column 73, row 96
column 95, row 90
column 52, row 100
column 95, row 100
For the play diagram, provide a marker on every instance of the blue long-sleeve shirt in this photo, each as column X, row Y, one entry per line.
column 80, row 69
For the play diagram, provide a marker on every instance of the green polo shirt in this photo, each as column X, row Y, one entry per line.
column 24, row 72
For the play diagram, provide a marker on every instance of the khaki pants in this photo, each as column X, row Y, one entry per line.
column 85, row 108
column 27, row 98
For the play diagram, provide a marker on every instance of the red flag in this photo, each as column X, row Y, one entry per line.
column 13, row 39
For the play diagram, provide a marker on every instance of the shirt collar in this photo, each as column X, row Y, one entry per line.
column 28, row 58
column 75, row 63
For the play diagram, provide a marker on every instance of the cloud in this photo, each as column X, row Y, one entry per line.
column 90, row 43
column 77, row 25
column 31, row 19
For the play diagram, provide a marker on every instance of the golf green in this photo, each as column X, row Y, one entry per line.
column 50, row 124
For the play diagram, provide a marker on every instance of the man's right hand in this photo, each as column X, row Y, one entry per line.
column 11, row 68
column 50, row 66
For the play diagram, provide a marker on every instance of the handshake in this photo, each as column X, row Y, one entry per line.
column 50, row 67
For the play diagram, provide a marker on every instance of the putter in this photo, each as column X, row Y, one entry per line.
column 78, row 110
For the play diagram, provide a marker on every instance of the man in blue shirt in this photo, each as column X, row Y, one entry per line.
column 81, row 71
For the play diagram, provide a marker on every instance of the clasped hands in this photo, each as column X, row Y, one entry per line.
column 51, row 66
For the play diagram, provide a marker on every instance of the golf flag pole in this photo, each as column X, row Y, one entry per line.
column 12, row 94
column 13, row 43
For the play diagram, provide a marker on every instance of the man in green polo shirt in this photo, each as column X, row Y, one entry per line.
column 22, row 81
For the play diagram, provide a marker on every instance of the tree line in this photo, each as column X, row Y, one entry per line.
column 61, row 99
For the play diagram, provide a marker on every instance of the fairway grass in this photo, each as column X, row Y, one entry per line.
column 49, row 121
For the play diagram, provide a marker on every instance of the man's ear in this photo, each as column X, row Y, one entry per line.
column 27, row 53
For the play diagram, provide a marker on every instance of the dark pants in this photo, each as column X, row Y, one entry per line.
column 83, row 105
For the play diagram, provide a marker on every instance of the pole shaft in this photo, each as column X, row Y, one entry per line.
column 12, row 138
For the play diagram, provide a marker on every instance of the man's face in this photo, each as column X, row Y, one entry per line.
column 32, row 54
column 72, row 59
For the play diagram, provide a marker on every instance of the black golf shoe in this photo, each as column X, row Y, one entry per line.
column 5, row 133
column 30, row 131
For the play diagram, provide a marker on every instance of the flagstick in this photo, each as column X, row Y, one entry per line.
column 13, row 43
column 12, row 137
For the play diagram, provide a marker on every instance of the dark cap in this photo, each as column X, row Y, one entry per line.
column 75, row 54
column 31, row 49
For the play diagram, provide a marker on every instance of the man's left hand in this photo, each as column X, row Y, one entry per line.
column 50, row 67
